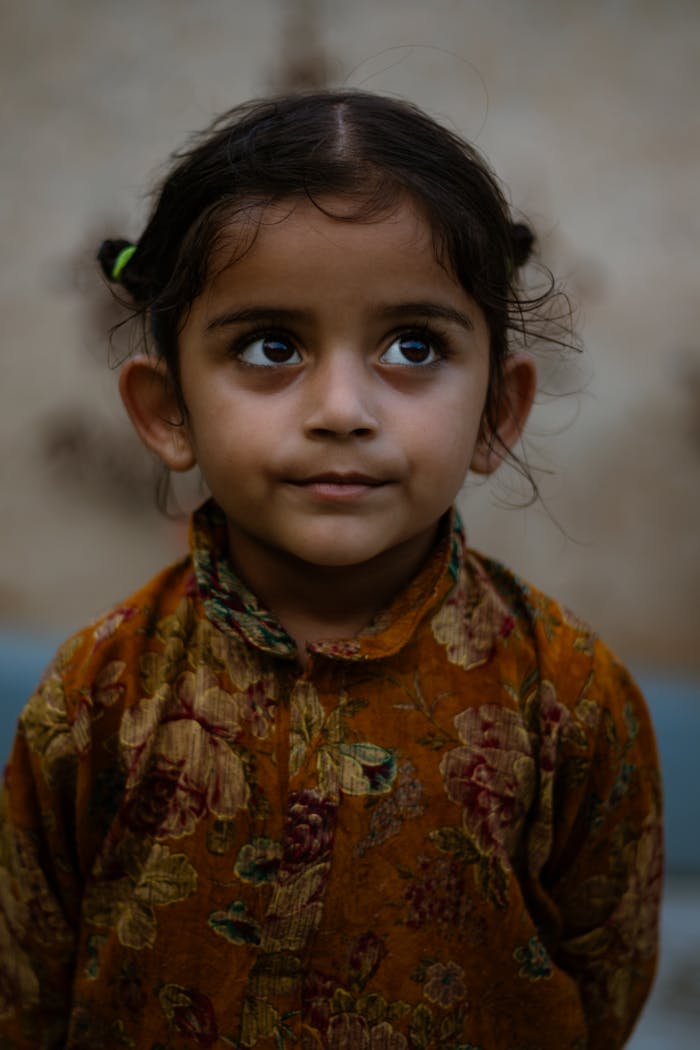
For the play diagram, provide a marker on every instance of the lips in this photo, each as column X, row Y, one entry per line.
column 340, row 478
column 339, row 486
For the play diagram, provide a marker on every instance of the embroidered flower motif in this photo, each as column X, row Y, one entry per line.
column 333, row 1017
column 258, row 706
column 258, row 861
column 25, row 890
column 261, row 1020
column 534, row 959
column 158, row 668
column 47, row 729
column 471, row 620
column 309, row 829
column 317, row 992
column 366, row 955
column 554, row 719
column 178, row 748
column 241, row 662
column 296, row 908
column 306, row 718
column 111, row 624
column 585, row 642
column 191, row 1012
column 168, row 801
column 382, row 1036
column 107, row 689
column 138, row 877
column 436, row 897
column 344, row 649
column 104, row 691
column 355, row 769
column 348, row 1032
column 255, row 692
column 236, row 924
column 587, row 713
column 228, row 602
column 407, row 801
column 492, row 777
column 18, row 982
column 636, row 917
column 445, row 984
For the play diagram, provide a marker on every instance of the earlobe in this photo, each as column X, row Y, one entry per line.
column 516, row 397
column 150, row 398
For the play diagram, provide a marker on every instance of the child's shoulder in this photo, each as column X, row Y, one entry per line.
column 97, row 656
column 565, row 649
column 526, row 601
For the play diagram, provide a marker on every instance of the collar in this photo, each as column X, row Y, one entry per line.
column 233, row 608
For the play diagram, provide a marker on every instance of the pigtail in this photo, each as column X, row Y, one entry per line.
column 115, row 259
column 522, row 242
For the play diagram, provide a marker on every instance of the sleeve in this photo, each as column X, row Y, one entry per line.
column 39, row 884
column 605, row 870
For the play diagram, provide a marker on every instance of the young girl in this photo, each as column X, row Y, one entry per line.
column 333, row 779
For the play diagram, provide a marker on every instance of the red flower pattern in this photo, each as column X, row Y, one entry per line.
column 492, row 777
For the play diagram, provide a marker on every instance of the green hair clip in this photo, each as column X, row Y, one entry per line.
column 121, row 260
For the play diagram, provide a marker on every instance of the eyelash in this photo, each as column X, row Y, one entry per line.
column 430, row 333
column 244, row 342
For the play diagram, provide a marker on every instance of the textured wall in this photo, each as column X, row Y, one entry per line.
column 590, row 115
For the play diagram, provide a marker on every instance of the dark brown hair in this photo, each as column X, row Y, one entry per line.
column 367, row 148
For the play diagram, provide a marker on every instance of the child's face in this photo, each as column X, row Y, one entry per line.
column 335, row 378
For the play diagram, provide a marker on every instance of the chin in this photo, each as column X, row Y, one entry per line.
column 339, row 558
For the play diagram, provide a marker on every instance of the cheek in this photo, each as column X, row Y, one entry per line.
column 452, row 430
column 442, row 461
column 216, row 418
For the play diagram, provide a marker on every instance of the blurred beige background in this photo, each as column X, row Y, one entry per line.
column 589, row 113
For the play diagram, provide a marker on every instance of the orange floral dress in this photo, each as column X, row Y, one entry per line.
column 444, row 832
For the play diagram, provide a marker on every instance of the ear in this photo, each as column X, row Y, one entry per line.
column 514, row 404
column 149, row 397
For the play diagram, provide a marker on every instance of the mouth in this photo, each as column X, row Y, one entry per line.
column 339, row 478
column 336, row 487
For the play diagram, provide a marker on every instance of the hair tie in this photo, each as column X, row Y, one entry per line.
column 121, row 260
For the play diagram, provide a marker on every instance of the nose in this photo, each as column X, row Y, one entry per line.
column 340, row 398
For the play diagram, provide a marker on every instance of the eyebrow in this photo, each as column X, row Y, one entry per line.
column 258, row 315
column 272, row 315
column 430, row 311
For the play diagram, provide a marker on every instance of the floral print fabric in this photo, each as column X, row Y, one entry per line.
column 443, row 833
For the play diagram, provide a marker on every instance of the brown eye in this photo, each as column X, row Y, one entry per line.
column 268, row 351
column 410, row 350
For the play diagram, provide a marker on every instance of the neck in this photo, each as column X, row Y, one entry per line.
column 316, row 603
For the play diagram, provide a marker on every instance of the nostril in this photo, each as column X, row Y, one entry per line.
column 340, row 409
column 341, row 432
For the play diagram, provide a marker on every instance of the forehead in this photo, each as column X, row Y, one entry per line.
column 300, row 248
